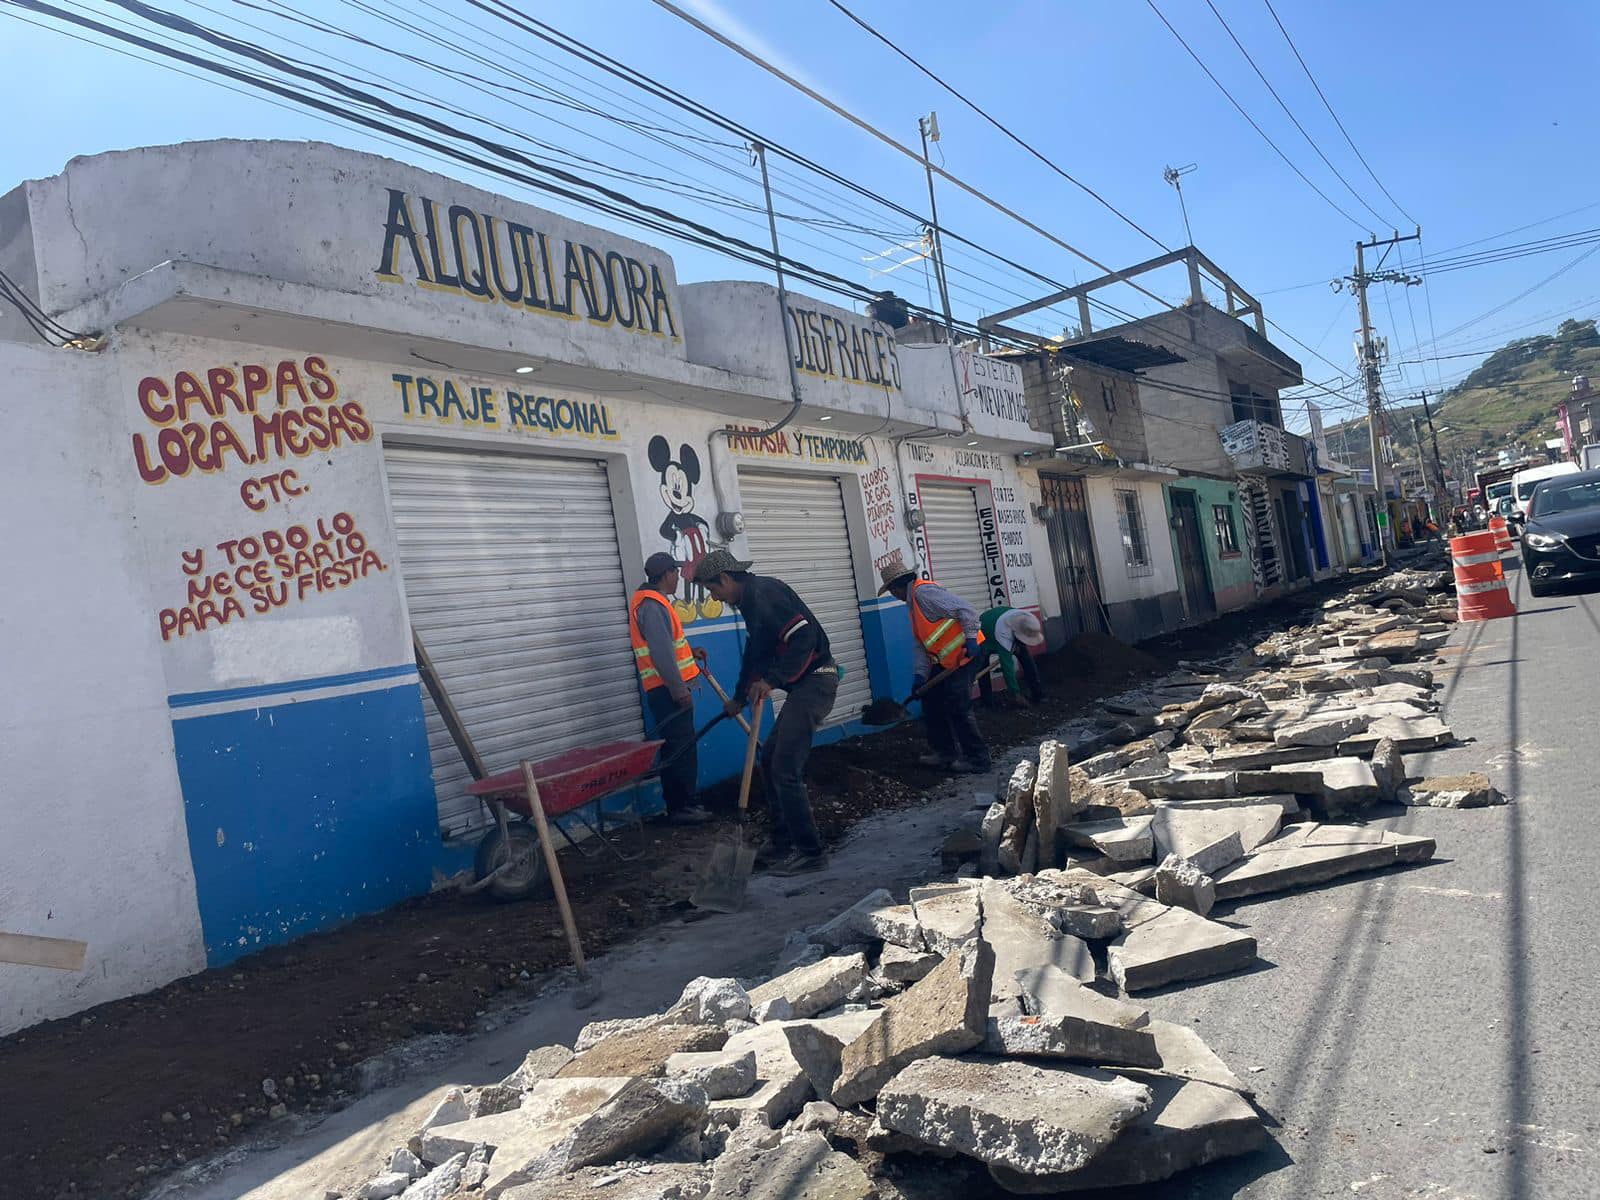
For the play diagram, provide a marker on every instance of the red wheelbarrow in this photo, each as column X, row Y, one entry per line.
column 509, row 863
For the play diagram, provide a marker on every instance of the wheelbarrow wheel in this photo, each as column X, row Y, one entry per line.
column 525, row 876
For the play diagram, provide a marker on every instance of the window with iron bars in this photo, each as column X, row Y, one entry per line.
column 1135, row 545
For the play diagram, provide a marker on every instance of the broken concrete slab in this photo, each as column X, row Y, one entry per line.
column 596, row 1031
column 493, row 1098
column 899, row 965
column 948, row 915
column 1347, row 785
column 1472, row 790
column 1251, row 758
column 1181, row 883
column 1190, row 785
column 1309, row 854
column 1070, row 1038
column 1185, row 1054
column 641, row 1051
column 994, row 823
column 439, row 1183
column 1409, row 734
column 818, row 1051
column 1389, row 769
column 1053, row 801
column 815, row 988
column 1187, row 1125
column 1395, row 645
column 1033, row 1119
column 802, row 1167
column 1051, row 992
column 1176, row 945
column 1121, row 839
column 538, row 1064
column 1286, row 802
column 654, row 1181
column 721, row 1074
column 848, row 927
column 1212, row 838
column 781, row 1083
column 945, row 1013
column 1018, row 817
column 1021, row 939
column 711, row 1001
column 451, row 1108
column 1094, row 922
column 893, row 924
column 1323, row 730
column 552, row 1110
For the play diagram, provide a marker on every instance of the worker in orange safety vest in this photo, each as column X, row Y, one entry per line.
column 948, row 636
column 668, row 671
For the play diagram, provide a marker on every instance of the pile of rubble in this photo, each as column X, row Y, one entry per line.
column 985, row 1020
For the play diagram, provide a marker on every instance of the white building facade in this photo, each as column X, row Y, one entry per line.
column 341, row 404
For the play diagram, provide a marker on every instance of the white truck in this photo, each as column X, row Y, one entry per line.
column 1523, row 483
column 1590, row 457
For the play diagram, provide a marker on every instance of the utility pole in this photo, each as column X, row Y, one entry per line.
column 928, row 127
column 1369, row 356
column 1433, row 433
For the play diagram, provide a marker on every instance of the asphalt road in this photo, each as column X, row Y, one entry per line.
column 1432, row 1032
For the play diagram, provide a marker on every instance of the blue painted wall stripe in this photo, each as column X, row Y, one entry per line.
column 187, row 699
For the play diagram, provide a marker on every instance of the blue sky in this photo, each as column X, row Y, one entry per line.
column 1478, row 118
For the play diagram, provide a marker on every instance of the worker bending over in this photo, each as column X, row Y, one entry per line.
column 947, row 634
column 785, row 650
column 1011, row 634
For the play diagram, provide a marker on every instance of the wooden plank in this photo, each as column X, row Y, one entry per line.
column 61, row 954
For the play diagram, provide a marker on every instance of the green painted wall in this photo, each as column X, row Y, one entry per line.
column 1232, row 580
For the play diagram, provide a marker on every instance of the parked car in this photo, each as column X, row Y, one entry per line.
column 1561, row 541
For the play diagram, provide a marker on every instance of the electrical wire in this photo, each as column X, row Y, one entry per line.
column 1325, row 104
column 1252, row 121
column 975, row 107
column 1288, row 112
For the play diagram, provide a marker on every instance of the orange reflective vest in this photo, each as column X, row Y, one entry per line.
column 945, row 641
column 688, row 669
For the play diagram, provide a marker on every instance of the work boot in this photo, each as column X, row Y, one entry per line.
column 937, row 761
column 799, row 863
column 769, row 852
column 693, row 815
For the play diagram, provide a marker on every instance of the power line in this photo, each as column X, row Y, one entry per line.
column 1241, row 110
column 1325, row 104
column 745, row 52
column 1078, row 183
column 1290, row 114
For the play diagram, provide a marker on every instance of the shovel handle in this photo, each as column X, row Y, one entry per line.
column 942, row 675
column 750, row 756
column 717, row 688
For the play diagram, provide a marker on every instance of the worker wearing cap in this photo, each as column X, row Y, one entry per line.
column 667, row 671
column 785, row 650
column 948, row 635
column 1010, row 634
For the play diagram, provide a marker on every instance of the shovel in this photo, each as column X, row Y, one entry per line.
column 887, row 712
column 732, row 860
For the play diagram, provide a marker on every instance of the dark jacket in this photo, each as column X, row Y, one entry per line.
column 785, row 642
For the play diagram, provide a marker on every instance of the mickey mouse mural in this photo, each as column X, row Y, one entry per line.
column 684, row 530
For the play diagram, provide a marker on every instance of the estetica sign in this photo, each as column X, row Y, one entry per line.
column 454, row 248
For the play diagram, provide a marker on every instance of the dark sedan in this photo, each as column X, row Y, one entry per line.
column 1561, row 542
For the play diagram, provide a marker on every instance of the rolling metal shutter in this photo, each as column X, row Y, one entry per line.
column 797, row 531
column 515, row 585
column 955, row 545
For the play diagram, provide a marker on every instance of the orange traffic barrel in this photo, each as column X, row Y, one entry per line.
column 1481, row 592
column 1502, row 534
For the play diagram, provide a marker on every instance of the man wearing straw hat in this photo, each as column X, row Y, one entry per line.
column 1011, row 634
column 785, row 650
column 948, row 636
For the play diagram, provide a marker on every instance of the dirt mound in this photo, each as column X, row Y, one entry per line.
column 1097, row 656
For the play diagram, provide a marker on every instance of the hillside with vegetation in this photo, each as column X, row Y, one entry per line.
column 1510, row 397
